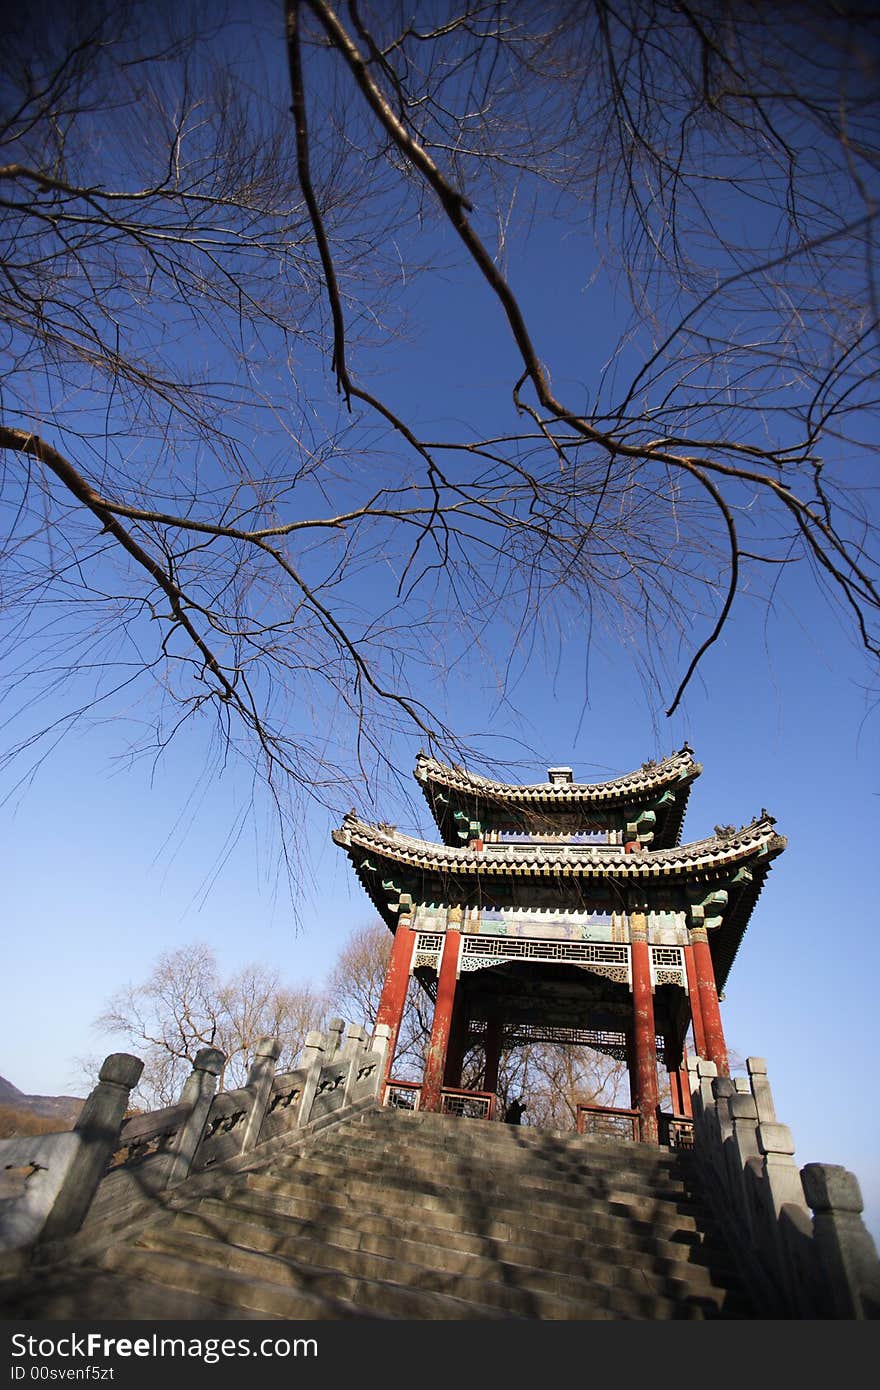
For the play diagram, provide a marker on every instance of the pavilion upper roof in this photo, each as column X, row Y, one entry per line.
column 448, row 787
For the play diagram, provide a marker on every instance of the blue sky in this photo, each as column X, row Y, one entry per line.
column 106, row 868
column 108, row 862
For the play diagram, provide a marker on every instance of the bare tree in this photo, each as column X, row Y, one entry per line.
column 354, row 989
column 185, row 1005
column 210, row 228
column 555, row 1079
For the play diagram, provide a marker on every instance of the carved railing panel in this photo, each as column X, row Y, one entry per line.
column 608, row 1122
column 224, row 1131
column 142, row 1136
column 677, row 1131
column 402, row 1095
column 330, row 1090
column 470, row 1105
column 284, row 1104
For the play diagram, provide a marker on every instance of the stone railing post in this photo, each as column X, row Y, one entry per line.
column 744, row 1123
column 259, row 1085
column 706, row 1074
column 780, row 1170
column 97, row 1132
column 760, row 1087
column 845, row 1250
column 313, row 1058
column 725, row 1159
column 380, row 1045
column 723, row 1091
column 333, row 1044
column 784, row 1205
column 198, row 1093
column 352, row 1050
column 355, row 1040
column 745, row 1157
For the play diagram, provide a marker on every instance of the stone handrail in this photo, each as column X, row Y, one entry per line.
column 52, row 1181
column 798, row 1236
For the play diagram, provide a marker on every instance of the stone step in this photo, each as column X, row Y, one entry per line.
column 478, row 1139
column 420, row 1264
column 280, row 1288
column 696, row 1265
column 399, row 1215
column 448, row 1138
column 421, row 1292
column 472, row 1136
column 324, row 1220
column 102, row 1295
column 516, row 1208
column 633, row 1242
column 355, row 1153
column 469, row 1134
column 668, row 1173
column 244, row 1294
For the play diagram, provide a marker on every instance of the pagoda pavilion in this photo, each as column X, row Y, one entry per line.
column 563, row 912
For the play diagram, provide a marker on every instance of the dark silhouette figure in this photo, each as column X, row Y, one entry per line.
column 513, row 1113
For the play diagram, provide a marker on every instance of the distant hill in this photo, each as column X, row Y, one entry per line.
column 23, row 1114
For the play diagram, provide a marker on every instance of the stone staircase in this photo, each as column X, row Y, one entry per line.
column 391, row 1214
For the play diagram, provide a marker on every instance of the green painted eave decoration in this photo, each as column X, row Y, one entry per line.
column 642, row 828
column 699, row 914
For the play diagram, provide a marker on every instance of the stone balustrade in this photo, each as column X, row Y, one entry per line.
column 50, row 1182
column 798, row 1235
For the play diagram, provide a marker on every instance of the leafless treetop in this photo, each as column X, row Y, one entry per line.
column 221, row 496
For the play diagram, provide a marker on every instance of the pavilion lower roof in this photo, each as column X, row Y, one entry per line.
column 716, row 853
column 383, row 856
column 633, row 789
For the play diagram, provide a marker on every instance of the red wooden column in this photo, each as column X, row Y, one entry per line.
column 396, row 984
column 646, row 1093
column 694, row 997
column 716, row 1048
column 631, row 1066
column 457, row 1047
column 678, row 1092
column 435, row 1064
column 493, row 1055
column 684, row 1087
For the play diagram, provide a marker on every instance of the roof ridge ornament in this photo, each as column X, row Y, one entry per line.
column 560, row 776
